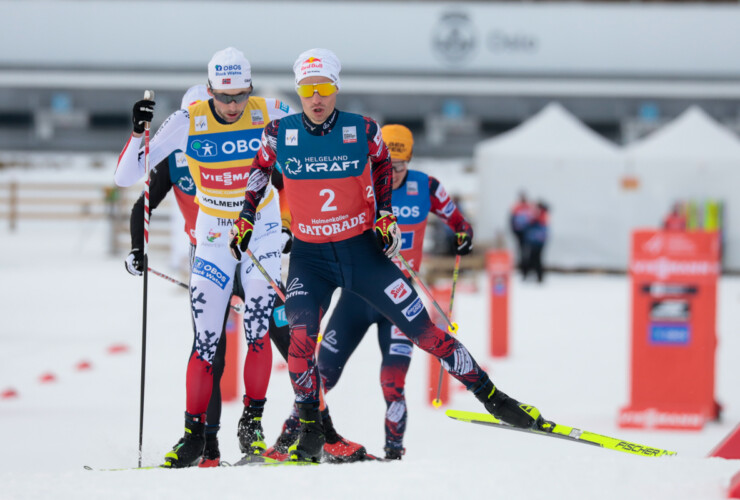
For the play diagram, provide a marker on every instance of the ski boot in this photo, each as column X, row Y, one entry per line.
column 211, row 453
column 288, row 436
column 338, row 449
column 508, row 409
column 394, row 452
column 189, row 449
column 250, row 434
column 311, row 439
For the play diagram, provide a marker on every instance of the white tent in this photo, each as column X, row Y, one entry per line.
column 556, row 158
column 691, row 158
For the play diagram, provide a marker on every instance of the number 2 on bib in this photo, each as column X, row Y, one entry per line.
column 327, row 206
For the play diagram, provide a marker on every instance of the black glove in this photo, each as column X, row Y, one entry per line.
column 463, row 243
column 143, row 113
column 135, row 262
column 287, row 239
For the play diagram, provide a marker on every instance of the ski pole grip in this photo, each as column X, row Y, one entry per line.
column 149, row 95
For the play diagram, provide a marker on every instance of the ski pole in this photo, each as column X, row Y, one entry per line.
column 267, row 276
column 148, row 94
column 455, row 273
column 183, row 285
column 451, row 327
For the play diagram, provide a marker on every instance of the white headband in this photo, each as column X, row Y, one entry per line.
column 229, row 69
column 317, row 62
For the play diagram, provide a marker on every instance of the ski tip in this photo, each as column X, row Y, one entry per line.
column 471, row 416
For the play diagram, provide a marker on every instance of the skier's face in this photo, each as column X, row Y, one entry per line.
column 317, row 107
column 400, row 168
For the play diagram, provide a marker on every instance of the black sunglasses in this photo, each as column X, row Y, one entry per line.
column 227, row 98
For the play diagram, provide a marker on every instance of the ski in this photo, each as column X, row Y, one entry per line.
column 87, row 467
column 259, row 460
column 247, row 460
column 262, row 461
column 564, row 432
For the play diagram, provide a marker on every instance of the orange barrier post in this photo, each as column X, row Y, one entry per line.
column 233, row 369
column 498, row 266
column 674, row 289
column 442, row 295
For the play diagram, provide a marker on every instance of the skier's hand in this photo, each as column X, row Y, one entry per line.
column 239, row 236
column 143, row 113
column 463, row 243
column 388, row 233
column 135, row 262
column 287, row 239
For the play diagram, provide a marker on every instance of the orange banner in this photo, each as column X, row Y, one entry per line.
column 498, row 266
column 674, row 301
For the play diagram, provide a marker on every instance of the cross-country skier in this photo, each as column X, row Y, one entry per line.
column 344, row 236
column 219, row 138
column 415, row 195
column 173, row 174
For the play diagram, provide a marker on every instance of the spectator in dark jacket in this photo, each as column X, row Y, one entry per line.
column 519, row 219
column 535, row 238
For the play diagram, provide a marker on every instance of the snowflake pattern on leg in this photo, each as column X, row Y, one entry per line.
column 257, row 320
column 205, row 345
column 199, row 299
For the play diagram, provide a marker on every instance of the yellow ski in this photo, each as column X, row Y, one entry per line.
column 564, row 432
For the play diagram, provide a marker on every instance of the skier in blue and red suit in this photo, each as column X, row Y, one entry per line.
column 415, row 195
column 344, row 236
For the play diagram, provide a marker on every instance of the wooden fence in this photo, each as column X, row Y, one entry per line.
column 25, row 201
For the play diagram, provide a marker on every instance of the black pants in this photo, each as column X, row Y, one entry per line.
column 534, row 261
column 356, row 264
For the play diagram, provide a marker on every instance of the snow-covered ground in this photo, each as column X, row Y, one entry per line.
column 64, row 301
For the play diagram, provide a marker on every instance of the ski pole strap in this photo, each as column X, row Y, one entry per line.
column 451, row 327
column 267, row 276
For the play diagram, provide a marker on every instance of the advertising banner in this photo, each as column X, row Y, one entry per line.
column 674, row 301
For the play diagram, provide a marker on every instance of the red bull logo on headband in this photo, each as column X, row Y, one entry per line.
column 312, row 63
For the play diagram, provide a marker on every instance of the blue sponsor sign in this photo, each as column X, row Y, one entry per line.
column 278, row 314
column 669, row 333
column 449, row 208
column 414, row 309
column 499, row 286
column 211, row 272
column 225, row 146
column 400, row 350
column 407, row 240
